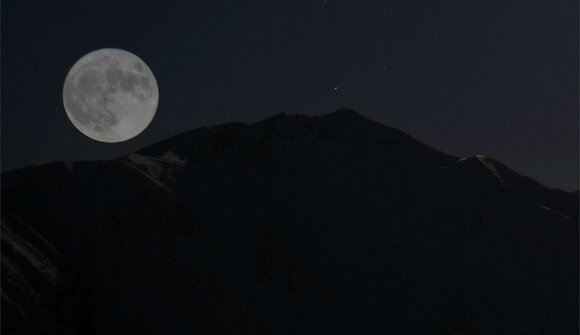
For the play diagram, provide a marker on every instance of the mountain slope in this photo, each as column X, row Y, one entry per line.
column 308, row 225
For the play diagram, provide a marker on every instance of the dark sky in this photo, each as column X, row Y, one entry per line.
column 493, row 77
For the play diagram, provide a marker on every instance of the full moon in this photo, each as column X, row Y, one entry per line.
column 110, row 95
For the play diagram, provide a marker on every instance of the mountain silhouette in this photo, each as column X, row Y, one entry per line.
column 331, row 224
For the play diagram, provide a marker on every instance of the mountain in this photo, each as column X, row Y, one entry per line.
column 332, row 224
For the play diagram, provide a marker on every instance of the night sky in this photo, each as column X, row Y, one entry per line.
column 493, row 77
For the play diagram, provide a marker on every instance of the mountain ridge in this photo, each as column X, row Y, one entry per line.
column 343, row 115
column 296, row 224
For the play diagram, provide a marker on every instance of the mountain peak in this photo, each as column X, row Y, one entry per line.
column 339, row 115
column 345, row 113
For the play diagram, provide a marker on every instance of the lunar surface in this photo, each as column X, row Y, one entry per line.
column 110, row 95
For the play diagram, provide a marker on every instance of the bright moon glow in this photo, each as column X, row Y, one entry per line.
column 110, row 95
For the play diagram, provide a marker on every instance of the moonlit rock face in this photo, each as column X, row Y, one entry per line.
column 110, row 95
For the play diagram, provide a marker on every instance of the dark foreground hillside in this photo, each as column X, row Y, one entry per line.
column 293, row 225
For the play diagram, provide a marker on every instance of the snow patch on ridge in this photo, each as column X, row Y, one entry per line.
column 486, row 162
